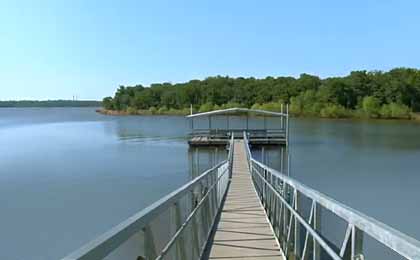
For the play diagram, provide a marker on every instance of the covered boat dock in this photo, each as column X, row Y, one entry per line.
column 216, row 127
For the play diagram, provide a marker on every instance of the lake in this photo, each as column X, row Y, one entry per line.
column 70, row 174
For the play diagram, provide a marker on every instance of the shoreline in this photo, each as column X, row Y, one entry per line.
column 415, row 117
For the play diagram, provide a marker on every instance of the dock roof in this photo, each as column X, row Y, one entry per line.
column 237, row 110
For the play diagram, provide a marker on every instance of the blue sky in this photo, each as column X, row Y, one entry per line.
column 56, row 49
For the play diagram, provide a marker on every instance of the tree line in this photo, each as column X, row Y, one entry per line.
column 51, row 103
column 374, row 94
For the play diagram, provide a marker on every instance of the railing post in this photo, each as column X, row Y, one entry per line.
column 178, row 222
column 263, row 155
column 357, row 244
column 264, row 195
column 230, row 155
column 297, row 226
column 195, row 247
column 272, row 207
column 285, row 216
column 317, row 227
column 149, row 244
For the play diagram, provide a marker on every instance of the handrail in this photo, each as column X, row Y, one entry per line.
column 212, row 184
column 237, row 110
column 281, row 186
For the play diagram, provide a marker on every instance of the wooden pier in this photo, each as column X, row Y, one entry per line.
column 243, row 231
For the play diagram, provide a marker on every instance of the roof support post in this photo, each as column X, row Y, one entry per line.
column 209, row 122
column 247, row 122
column 287, row 125
column 227, row 123
column 265, row 123
column 215, row 156
column 281, row 160
column 281, row 118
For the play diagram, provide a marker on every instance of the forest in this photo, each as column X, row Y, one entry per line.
column 370, row 94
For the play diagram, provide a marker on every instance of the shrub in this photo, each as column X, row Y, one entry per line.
column 256, row 106
column 153, row 110
column 334, row 111
column 371, row 106
column 306, row 103
column 396, row 111
column 296, row 105
column 131, row 111
column 386, row 111
column 206, row 107
column 313, row 109
column 271, row 106
column 174, row 111
column 162, row 110
column 185, row 111
column 230, row 105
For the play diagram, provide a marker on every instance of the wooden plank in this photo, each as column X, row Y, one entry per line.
column 243, row 231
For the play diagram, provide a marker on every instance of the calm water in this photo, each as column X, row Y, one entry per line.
column 67, row 175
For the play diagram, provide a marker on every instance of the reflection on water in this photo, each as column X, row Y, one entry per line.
column 202, row 158
column 150, row 127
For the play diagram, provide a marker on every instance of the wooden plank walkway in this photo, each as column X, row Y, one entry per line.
column 243, row 231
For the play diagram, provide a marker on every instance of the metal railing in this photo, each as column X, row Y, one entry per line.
column 258, row 123
column 175, row 227
column 298, row 230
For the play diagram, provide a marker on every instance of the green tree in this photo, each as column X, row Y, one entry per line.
column 373, row 93
column 107, row 103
